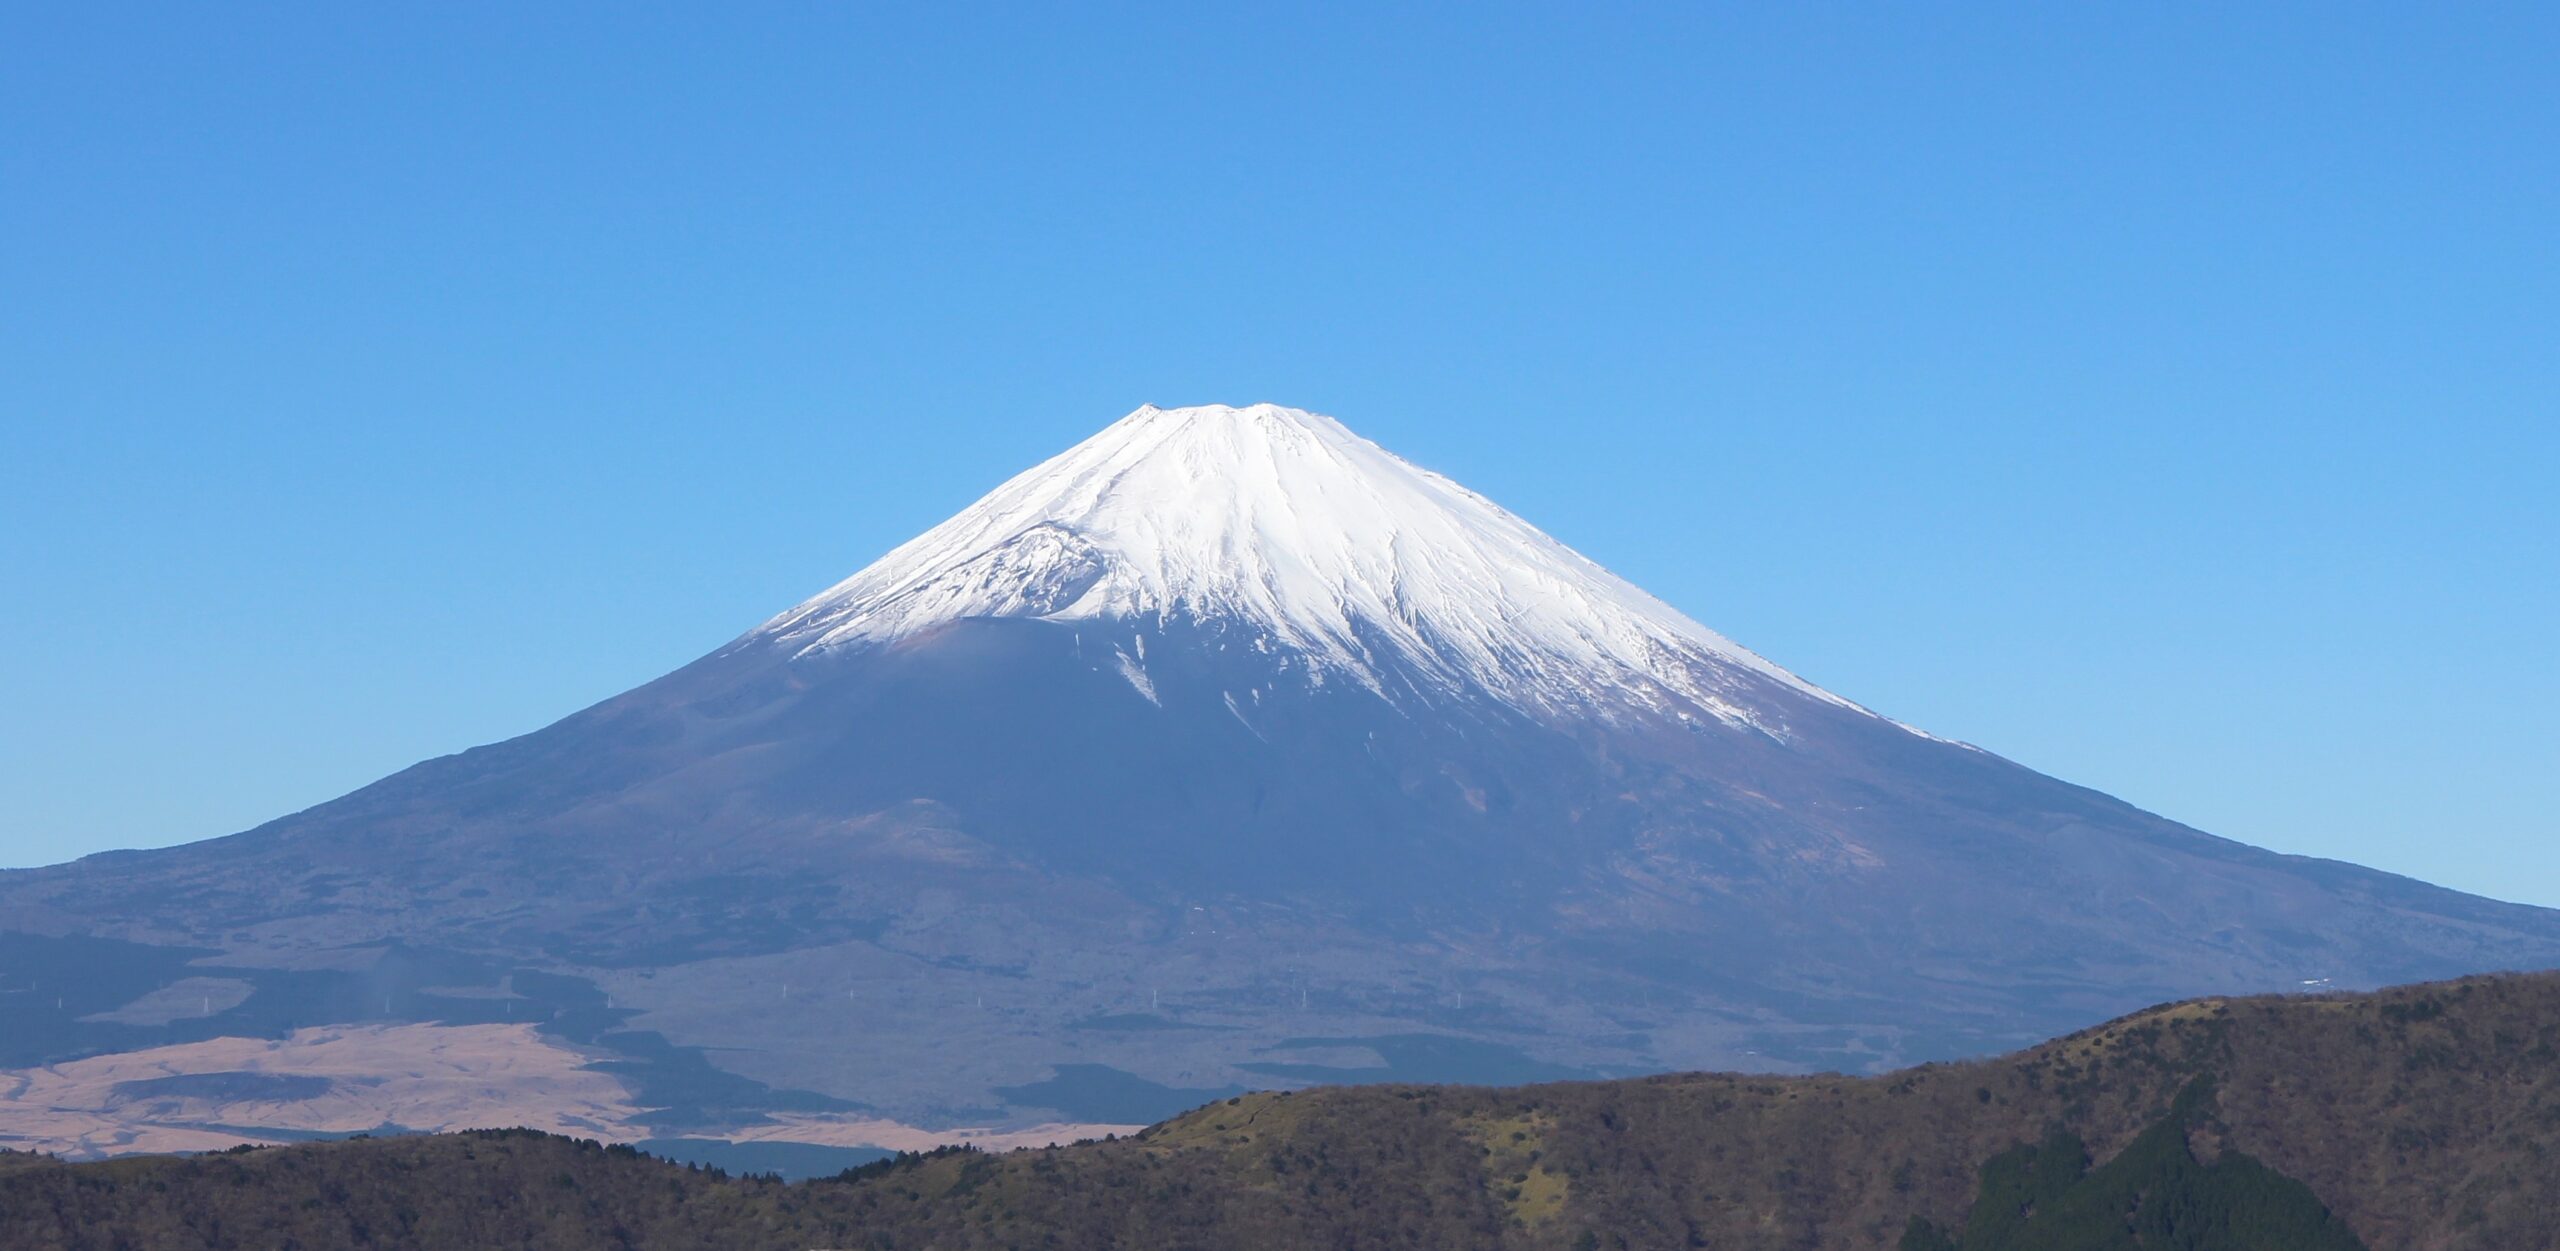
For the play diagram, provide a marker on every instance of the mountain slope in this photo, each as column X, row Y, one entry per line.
column 1224, row 750
column 2425, row 1118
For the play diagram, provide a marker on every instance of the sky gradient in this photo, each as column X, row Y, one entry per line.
column 2164, row 399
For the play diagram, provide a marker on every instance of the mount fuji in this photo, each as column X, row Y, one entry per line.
column 1225, row 749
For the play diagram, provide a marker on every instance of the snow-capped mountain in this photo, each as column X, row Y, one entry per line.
column 1306, row 542
column 1224, row 749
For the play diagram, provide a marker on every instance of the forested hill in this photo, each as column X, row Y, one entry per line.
column 2426, row 1117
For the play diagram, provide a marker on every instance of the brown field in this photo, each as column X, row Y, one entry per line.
column 357, row 1078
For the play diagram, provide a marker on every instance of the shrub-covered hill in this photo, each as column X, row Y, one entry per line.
column 2424, row 1118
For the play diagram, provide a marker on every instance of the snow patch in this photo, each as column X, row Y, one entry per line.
column 1136, row 675
column 1237, row 711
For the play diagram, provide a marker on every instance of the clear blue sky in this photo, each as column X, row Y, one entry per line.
column 2163, row 395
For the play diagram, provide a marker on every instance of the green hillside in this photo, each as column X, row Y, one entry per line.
column 2158, row 1194
column 2423, row 1117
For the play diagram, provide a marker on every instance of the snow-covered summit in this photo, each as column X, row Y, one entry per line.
column 1317, row 542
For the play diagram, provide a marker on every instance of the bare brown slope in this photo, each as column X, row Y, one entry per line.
column 2427, row 1117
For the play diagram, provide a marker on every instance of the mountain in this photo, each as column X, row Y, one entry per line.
column 1225, row 750
column 2426, row 1117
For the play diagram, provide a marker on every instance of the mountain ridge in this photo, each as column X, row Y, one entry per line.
column 2424, row 1118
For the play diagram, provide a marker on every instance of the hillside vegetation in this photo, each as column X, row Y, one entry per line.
column 2425, row 1118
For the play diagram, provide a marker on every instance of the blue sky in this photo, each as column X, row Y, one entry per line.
column 2162, row 396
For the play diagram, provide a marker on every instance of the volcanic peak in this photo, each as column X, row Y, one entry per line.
column 1319, row 544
